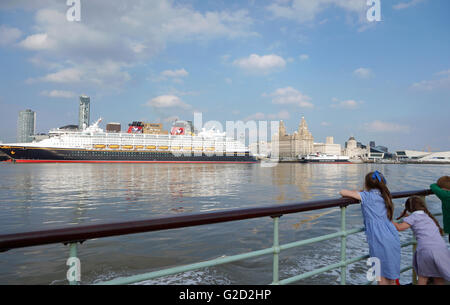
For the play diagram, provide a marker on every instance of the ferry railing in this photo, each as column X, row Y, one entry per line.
column 77, row 235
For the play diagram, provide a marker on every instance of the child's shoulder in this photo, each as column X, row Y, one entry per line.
column 371, row 195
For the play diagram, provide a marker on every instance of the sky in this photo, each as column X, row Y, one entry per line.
column 386, row 81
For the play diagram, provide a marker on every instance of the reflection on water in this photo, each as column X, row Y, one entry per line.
column 43, row 196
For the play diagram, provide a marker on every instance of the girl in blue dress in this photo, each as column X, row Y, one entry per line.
column 382, row 236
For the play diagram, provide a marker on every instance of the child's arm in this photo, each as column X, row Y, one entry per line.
column 350, row 194
column 401, row 226
column 440, row 193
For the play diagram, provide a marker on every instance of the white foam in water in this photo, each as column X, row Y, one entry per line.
column 199, row 277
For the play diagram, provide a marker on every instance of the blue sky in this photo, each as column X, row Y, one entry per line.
column 387, row 81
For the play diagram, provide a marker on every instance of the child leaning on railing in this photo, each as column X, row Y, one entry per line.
column 442, row 190
column 431, row 258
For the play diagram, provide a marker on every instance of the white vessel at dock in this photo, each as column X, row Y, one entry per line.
column 323, row 158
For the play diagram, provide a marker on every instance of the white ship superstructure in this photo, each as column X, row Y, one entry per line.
column 93, row 143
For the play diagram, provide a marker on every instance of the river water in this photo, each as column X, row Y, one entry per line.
column 45, row 196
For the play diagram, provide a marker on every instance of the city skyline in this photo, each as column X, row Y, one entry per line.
column 386, row 81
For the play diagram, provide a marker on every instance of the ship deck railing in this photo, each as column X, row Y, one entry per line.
column 74, row 236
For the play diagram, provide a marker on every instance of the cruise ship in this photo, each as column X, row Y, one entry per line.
column 324, row 158
column 93, row 145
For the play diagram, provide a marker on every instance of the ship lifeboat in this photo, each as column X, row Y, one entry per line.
column 187, row 148
column 114, row 146
column 151, row 147
column 176, row 148
column 127, row 147
column 139, row 146
column 210, row 149
column 101, row 146
column 163, row 147
column 198, row 148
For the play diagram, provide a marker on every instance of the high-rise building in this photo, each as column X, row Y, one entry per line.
column 84, row 112
column 26, row 126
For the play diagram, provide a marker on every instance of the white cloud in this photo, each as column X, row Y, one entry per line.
column 167, row 101
column 255, row 117
column 405, row 5
column 257, row 64
column 306, row 10
column 175, row 73
column 122, row 35
column 363, row 73
column 443, row 82
column 58, row 94
column 304, row 56
column 107, row 74
column 347, row 104
column 259, row 116
column 37, row 42
column 70, row 75
column 386, row 127
column 9, row 35
column 282, row 115
column 290, row 96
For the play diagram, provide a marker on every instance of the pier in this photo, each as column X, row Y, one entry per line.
column 75, row 236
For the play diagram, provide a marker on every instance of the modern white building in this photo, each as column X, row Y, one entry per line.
column 423, row 157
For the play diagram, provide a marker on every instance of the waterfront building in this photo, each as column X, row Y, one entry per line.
column 84, row 112
column 355, row 151
column 26, row 126
column 290, row 147
column 423, row 157
column 328, row 148
column 409, row 155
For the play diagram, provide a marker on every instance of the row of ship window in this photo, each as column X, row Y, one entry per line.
column 128, row 153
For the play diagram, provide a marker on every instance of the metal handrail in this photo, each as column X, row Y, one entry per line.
column 75, row 235
column 82, row 233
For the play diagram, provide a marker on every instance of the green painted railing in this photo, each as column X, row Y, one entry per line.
column 73, row 236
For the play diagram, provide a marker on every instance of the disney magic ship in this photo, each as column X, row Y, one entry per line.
column 94, row 145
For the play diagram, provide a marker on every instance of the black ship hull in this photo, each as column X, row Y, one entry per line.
column 57, row 155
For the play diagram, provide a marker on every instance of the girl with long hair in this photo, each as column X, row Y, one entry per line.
column 432, row 258
column 382, row 236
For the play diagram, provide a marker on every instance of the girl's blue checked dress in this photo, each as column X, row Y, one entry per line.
column 382, row 236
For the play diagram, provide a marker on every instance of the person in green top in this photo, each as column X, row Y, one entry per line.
column 442, row 190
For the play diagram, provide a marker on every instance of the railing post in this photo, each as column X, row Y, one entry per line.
column 74, row 272
column 414, row 275
column 343, row 245
column 276, row 250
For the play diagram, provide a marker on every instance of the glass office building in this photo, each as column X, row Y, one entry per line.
column 84, row 112
column 26, row 126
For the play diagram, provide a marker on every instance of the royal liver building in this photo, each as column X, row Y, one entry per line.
column 289, row 147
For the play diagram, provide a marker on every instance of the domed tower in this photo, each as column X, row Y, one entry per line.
column 351, row 143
